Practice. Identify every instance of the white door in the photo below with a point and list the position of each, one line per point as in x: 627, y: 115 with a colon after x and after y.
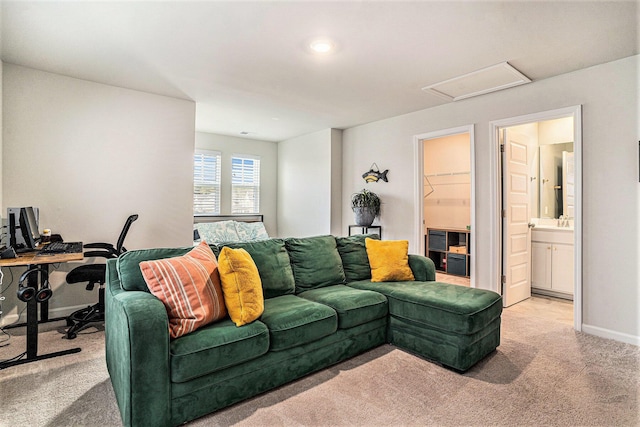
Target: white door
x: 516, y: 267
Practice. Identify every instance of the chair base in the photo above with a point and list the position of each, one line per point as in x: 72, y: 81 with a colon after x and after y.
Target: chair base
x: 85, y: 317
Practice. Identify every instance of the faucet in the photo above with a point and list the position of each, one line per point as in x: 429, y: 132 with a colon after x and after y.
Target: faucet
x: 563, y: 221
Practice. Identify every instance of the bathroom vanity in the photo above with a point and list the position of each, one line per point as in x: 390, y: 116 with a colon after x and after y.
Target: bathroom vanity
x: 552, y: 261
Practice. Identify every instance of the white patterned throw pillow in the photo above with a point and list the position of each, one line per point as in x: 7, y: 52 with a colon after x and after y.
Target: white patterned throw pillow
x: 218, y: 232
x: 251, y: 231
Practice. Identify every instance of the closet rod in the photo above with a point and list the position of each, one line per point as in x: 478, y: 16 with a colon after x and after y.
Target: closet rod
x: 450, y: 183
x: 448, y: 174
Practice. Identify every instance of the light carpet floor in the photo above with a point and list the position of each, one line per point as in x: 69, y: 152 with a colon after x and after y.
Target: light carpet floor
x: 543, y: 374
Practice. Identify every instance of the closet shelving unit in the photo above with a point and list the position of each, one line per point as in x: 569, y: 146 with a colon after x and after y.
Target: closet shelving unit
x: 450, y: 250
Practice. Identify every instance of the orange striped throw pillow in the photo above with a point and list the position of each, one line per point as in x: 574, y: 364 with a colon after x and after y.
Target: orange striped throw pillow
x: 189, y: 287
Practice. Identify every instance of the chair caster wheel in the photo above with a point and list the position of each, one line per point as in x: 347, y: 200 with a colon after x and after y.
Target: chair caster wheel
x: 71, y: 335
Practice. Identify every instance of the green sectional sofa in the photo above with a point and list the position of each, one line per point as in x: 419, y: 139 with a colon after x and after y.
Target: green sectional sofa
x: 320, y: 308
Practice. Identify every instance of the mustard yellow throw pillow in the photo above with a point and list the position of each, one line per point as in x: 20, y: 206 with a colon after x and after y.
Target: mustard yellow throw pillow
x: 389, y: 260
x: 241, y: 285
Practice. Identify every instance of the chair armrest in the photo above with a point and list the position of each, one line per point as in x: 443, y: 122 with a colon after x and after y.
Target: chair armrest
x: 137, y: 353
x: 101, y: 254
x: 107, y: 246
x: 422, y: 267
x: 108, y: 251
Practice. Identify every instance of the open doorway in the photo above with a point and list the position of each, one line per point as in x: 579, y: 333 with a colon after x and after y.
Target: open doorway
x: 446, y: 203
x: 538, y: 228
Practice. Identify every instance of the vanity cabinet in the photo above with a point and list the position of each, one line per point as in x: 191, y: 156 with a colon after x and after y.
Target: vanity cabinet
x: 552, y: 262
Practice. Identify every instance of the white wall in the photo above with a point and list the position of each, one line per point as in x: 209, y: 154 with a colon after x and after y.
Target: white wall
x: 556, y: 131
x: 305, y: 169
x: 88, y: 155
x: 268, y: 152
x: 611, y: 197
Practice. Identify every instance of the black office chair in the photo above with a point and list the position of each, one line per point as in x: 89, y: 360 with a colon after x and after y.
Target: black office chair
x: 94, y: 274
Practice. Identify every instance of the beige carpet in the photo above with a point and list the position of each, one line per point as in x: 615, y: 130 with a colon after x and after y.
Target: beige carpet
x: 543, y: 373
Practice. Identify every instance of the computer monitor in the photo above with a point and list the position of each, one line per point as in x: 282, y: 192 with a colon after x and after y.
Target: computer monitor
x: 26, y: 220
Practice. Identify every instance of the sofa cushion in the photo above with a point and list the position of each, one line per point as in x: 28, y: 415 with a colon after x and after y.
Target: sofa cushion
x: 241, y: 285
x: 128, y: 265
x: 189, y: 287
x: 458, y: 351
x: 389, y: 260
x: 294, y: 321
x: 354, y: 306
x: 272, y: 259
x: 215, y: 347
x: 439, y: 305
x: 354, y: 257
x: 315, y: 262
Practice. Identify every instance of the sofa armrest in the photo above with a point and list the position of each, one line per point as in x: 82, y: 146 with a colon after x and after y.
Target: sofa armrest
x: 422, y: 267
x: 137, y: 353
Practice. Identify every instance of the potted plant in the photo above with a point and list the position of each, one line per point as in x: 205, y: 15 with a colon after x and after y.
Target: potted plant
x: 366, y: 206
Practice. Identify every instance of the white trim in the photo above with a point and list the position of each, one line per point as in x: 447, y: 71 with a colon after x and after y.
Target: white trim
x: 245, y: 156
x: 418, y: 150
x: 418, y: 193
x: 609, y: 334
x: 207, y: 152
x: 496, y: 194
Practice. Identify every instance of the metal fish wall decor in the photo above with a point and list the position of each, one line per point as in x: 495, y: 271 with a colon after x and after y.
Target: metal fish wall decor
x: 374, y: 175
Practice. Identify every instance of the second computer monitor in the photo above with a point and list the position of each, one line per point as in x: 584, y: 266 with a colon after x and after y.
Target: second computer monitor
x: 26, y: 221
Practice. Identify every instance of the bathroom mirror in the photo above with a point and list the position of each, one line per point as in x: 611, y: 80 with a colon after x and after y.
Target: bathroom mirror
x: 556, y: 180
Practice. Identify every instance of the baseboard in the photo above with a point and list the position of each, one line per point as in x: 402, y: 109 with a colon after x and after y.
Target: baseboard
x: 607, y: 333
x: 548, y: 293
x: 53, y: 313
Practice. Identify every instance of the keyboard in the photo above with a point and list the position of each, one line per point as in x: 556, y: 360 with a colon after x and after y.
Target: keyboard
x: 54, y: 248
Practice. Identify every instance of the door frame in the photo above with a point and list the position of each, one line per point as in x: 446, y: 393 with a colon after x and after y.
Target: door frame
x: 419, y: 188
x: 496, y: 205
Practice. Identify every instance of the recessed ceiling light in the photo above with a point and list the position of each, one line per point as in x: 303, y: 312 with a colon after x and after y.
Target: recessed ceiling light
x: 321, y: 46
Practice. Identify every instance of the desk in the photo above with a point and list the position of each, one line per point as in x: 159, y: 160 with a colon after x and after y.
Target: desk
x: 30, y: 260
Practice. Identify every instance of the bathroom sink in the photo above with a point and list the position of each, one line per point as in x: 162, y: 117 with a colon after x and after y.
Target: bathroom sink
x: 552, y: 228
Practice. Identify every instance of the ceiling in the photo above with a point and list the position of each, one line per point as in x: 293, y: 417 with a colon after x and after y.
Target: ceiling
x: 248, y: 67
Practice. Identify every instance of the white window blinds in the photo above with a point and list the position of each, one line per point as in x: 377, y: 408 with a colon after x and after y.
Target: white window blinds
x: 206, y: 182
x: 245, y: 184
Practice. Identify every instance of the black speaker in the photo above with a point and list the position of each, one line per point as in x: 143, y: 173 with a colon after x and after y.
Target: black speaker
x: 27, y: 293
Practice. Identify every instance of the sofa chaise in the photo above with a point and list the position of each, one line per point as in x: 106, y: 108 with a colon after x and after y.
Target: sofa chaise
x: 320, y: 308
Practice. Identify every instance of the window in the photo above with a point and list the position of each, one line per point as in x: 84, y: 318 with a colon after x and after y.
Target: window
x: 206, y: 182
x: 245, y: 184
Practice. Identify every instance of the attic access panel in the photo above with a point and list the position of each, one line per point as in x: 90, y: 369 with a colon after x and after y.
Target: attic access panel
x: 490, y: 79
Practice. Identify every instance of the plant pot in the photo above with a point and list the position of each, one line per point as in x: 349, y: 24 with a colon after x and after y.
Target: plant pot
x: 363, y: 216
